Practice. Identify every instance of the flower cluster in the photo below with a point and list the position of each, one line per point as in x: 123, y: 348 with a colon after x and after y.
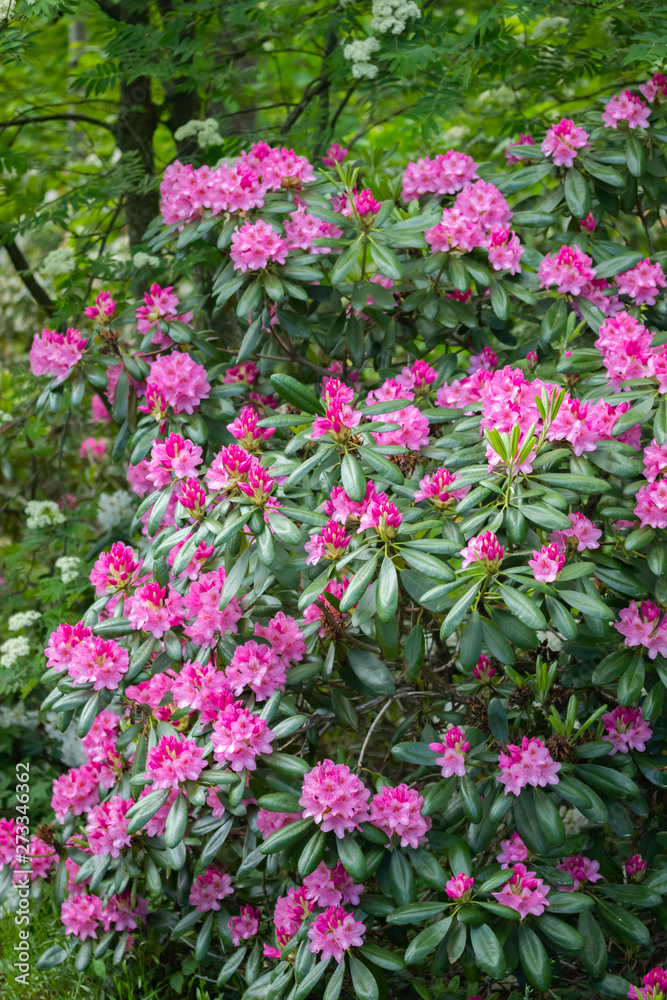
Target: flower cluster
x: 527, y: 764
x: 335, y: 798
x: 56, y: 354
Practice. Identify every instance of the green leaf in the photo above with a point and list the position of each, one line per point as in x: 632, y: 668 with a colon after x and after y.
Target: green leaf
x: 414, y: 753
x: 523, y: 607
x: 636, y: 156
x: 380, y: 463
x: 427, y: 941
x: 500, y: 300
x: 637, y: 414
x: 548, y: 816
x: 363, y: 980
x: 561, y: 934
x: 489, y: 955
x: 534, y: 959
x: 426, y: 563
x: 615, y: 265
x: 344, y: 264
x: 403, y: 887
x: 612, y: 986
x: 546, y: 517
x: 351, y: 857
x: 577, y: 195
x: 496, y: 643
x: 313, y: 590
x: 631, y: 681
x: 607, y: 780
x: 312, y: 854
x: 371, y: 671
x: 593, y: 606
x: 286, y: 836
x: 251, y: 298
x: 414, y: 913
x: 354, y: 481
x: 497, y: 718
x: 297, y: 394
x: 386, y: 261
x: 580, y: 484
x: 359, y: 583
x: 471, y: 641
x: 177, y: 821
x: 594, y: 952
x: 386, y: 594
x: 470, y: 799
x: 335, y: 984
x: 640, y: 896
x: 628, y: 927
x: 514, y: 629
x: 457, y: 613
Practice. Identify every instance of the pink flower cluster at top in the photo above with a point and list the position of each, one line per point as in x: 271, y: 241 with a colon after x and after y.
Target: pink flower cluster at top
x: 160, y: 305
x: 512, y: 850
x: 581, y: 869
x: 188, y: 193
x: 654, y: 985
x: 511, y: 152
x: 106, y: 828
x: 478, y: 218
x: 335, y: 798
x: 628, y: 108
x: 398, y: 811
x: 87, y: 658
x: 459, y: 886
x: 581, y: 536
x: 302, y: 229
x: 340, y: 417
x: 239, y: 737
x: 333, y: 932
x: 245, y: 926
x: 446, y: 173
x: 563, y: 140
x: 644, y: 624
x: 524, y: 892
x: 626, y: 729
x: 179, y: 380
x: 208, y: 889
x: 527, y: 764
x: 484, y: 549
x: 103, y: 309
x: 654, y: 88
x: 330, y: 543
x: 436, y: 489
x: 453, y: 750
x: 331, y: 887
x: 175, y: 759
x: 115, y: 570
x: 56, y: 354
x: 255, y: 245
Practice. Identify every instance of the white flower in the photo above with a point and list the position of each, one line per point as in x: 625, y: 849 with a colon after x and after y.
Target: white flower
x: 70, y: 747
x: 206, y: 132
x: 5, y: 417
x: 392, y: 15
x: 359, y: 54
x: 115, y: 509
x: 13, y: 650
x: 60, y: 261
x: 22, y: 619
x: 42, y: 514
x: 547, y: 25
x: 553, y: 640
x: 68, y: 567
x: 573, y: 821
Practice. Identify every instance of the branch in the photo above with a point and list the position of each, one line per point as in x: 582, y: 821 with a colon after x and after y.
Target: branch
x: 27, y: 277
x: 314, y: 88
x: 110, y: 9
x: 17, y: 122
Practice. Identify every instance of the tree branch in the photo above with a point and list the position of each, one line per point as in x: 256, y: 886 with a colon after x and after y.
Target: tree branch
x: 39, y: 295
x: 56, y: 118
x: 110, y: 8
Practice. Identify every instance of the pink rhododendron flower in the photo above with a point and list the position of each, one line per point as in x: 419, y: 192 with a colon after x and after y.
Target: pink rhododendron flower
x: 93, y: 448
x: 635, y: 868
x: 582, y: 535
x: 651, y: 508
x: 152, y: 692
x: 193, y: 498
x: 160, y: 305
x: 581, y: 869
x: 655, y: 460
x: 41, y: 858
x: 453, y: 750
x: 417, y: 377
x: 173, y: 760
x: 208, y: 889
x: 282, y: 168
x: 259, y: 487
x: 459, y: 886
x: 563, y: 140
x: 175, y: 456
x: 483, y: 203
x: 180, y: 380
x: 81, y: 915
x: 398, y: 811
x: 201, y: 687
x: 255, y: 245
x: 269, y: 822
x: 229, y: 467
x: 103, y: 309
x: 56, y: 354
x: 102, y: 732
x: 436, y: 489
x: 588, y: 222
x: 455, y: 232
x: 334, y: 154
x: 484, y: 549
x: 99, y: 660
x: 244, y: 428
x: 547, y: 563
x: 106, y: 828
x: 62, y: 643
x: 365, y: 205
x: 644, y: 625
x: 642, y: 283
x: 239, y: 737
x: 155, y: 609
x: 120, y: 913
x: 7, y: 841
x: 76, y: 791
x: 330, y: 543
x: 302, y: 228
x: 340, y: 508
x: 331, y: 886
x: 570, y: 269
x: 654, y: 88
x: 257, y: 667
x: 512, y: 850
x: 334, y: 931
x: 626, y: 107
x: 484, y: 671
x: 445, y: 174
x: 340, y: 417
x: 334, y: 797
x: 245, y: 926
x: 202, y: 603
x: 626, y: 730
x: 528, y: 764
x: 412, y: 431
x: 288, y: 915
x: 511, y: 152
x: 523, y: 892
x: 383, y: 516
x: 655, y: 981
x: 285, y: 637
x: 487, y: 358
x: 115, y: 570
x: 505, y: 250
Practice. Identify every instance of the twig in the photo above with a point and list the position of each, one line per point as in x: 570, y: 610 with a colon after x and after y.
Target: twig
x: 17, y: 122
x: 373, y: 726
x: 19, y: 261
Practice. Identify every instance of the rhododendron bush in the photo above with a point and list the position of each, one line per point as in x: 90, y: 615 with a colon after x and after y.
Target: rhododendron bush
x: 375, y: 696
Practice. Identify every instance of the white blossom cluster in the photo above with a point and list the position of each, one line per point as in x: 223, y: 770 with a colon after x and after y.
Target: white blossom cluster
x: 206, y: 132
x: 392, y: 15
x: 59, y: 261
x: 573, y: 821
x: 114, y: 509
x: 546, y: 26
x: 359, y: 54
x: 68, y: 567
x: 12, y: 650
x: 141, y: 259
x: 42, y: 514
x: 22, y: 619
x: 70, y: 747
